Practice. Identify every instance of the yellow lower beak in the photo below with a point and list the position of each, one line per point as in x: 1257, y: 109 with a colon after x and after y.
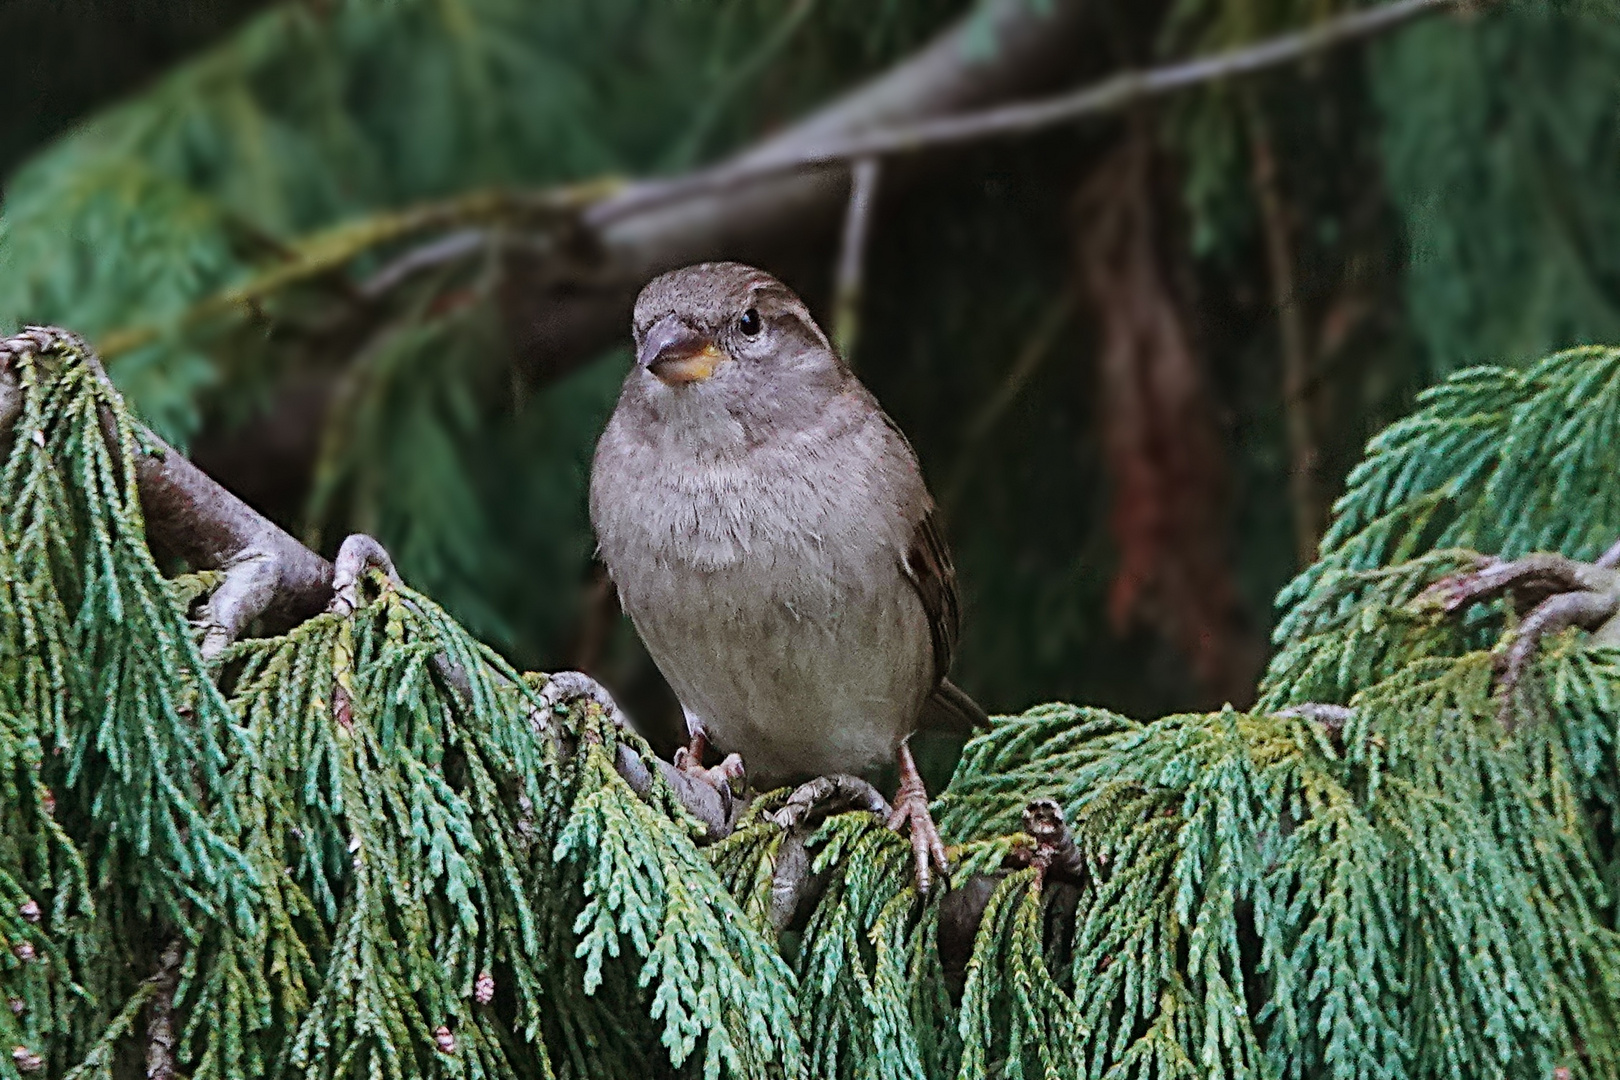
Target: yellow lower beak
x: 688, y: 368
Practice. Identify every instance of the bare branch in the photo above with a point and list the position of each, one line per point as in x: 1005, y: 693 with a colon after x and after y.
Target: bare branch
x: 1298, y: 399
x: 160, y: 1033
x: 791, y: 185
x: 777, y: 203
x: 1110, y: 95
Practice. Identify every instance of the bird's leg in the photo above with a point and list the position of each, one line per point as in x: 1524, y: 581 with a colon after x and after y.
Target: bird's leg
x: 710, y: 805
x: 689, y: 760
x: 1552, y: 592
x: 911, y: 805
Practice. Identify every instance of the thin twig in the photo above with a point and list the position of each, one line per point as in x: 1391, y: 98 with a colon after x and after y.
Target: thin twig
x: 1023, y: 369
x: 863, y: 183
x: 336, y: 247
x: 1304, y: 456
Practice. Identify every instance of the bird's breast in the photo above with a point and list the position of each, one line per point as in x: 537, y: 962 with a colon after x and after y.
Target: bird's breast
x: 798, y: 510
x: 769, y: 592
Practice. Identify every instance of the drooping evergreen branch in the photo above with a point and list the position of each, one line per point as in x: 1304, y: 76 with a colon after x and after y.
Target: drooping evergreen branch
x: 267, y: 573
x: 192, y: 517
x: 381, y: 870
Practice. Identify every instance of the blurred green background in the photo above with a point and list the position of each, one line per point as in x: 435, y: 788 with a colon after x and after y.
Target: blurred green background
x: 1136, y: 353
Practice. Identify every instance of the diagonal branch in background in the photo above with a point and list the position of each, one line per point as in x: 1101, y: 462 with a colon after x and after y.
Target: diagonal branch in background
x: 796, y: 181
x: 332, y: 251
x: 1110, y: 95
x: 564, y: 303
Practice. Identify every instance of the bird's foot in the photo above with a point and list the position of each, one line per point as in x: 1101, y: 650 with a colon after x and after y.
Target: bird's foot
x: 358, y: 554
x: 1551, y: 592
x: 911, y: 807
x: 726, y: 778
x: 837, y: 791
x: 565, y: 687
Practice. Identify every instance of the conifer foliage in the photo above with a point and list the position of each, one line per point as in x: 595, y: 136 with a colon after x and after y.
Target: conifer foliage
x: 312, y: 853
x: 319, y: 855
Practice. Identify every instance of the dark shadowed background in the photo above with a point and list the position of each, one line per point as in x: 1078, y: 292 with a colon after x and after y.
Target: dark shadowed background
x: 1136, y: 352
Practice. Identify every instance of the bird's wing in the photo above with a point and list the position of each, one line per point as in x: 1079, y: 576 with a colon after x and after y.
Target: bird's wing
x: 927, y: 563
x: 927, y: 566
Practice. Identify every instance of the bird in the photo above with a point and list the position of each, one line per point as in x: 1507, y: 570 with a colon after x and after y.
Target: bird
x: 771, y: 538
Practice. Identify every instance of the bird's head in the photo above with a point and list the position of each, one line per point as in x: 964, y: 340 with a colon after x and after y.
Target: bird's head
x: 727, y: 339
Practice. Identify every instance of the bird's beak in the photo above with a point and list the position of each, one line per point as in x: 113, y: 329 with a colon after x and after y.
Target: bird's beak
x: 676, y: 353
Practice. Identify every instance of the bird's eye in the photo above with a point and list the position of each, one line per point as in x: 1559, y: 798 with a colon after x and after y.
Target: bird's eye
x: 749, y: 322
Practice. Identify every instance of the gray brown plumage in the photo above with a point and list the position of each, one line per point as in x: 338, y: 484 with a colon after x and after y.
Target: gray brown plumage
x: 772, y: 539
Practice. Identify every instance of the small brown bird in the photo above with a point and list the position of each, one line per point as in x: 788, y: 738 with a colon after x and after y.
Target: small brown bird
x: 771, y: 538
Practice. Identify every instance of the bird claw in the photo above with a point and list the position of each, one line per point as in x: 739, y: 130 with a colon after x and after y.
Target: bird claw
x: 727, y: 777
x: 927, y: 848
x: 1553, y: 593
x: 837, y: 789
x: 851, y: 792
x: 357, y: 554
x: 254, y: 575
x: 565, y: 687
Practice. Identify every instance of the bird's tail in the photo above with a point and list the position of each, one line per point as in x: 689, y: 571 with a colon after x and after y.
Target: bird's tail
x: 951, y: 711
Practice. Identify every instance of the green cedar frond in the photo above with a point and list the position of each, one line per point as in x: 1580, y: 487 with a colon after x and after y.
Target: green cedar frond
x: 347, y: 846
x: 369, y: 868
